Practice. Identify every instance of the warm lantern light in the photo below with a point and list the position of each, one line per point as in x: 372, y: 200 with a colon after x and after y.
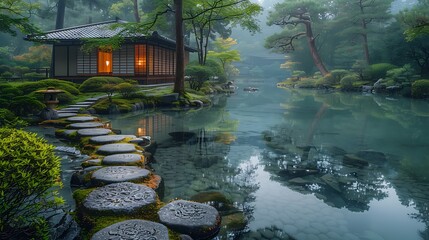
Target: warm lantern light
x: 107, y: 63
x: 108, y: 125
x: 104, y: 62
x: 141, y: 132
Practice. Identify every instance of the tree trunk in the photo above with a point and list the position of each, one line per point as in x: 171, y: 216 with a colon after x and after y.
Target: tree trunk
x: 61, y: 9
x: 136, y: 10
x: 313, y: 50
x: 365, y: 42
x: 179, y: 83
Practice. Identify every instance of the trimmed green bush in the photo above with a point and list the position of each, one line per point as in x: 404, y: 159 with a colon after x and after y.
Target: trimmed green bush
x: 8, y: 91
x: 346, y: 82
x: 379, y: 70
x: 8, y: 119
x: 337, y: 74
x: 25, y: 105
x: 63, y: 98
x: 197, y: 75
x: 94, y: 84
x: 32, y: 76
x: 126, y: 89
x: 28, y: 171
x: 70, y: 87
x: 306, y: 83
x: 420, y: 88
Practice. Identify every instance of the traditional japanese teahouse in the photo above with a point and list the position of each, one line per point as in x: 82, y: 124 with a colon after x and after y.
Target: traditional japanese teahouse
x: 150, y: 59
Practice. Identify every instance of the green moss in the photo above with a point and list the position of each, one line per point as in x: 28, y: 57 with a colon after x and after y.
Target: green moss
x: 94, y: 84
x: 420, y: 88
x: 29, y: 87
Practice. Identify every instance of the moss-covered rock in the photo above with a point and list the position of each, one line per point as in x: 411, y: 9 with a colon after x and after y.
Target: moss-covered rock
x: 420, y: 88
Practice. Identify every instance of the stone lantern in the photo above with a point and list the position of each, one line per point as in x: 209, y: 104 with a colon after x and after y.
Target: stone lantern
x: 50, y: 98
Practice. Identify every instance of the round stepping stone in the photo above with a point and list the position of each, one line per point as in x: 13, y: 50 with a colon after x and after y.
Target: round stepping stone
x: 84, y: 103
x: 79, y: 106
x: 117, y: 174
x: 110, y: 138
x: 123, y: 159
x: 116, y: 148
x: 86, y: 125
x: 133, y: 229
x: 88, y: 132
x: 200, y: 221
x: 119, y: 198
x: 66, y: 114
x: 81, y: 119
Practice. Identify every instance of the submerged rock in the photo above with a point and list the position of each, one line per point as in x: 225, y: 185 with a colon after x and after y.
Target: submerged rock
x: 353, y: 160
x: 372, y: 156
x: 215, y: 199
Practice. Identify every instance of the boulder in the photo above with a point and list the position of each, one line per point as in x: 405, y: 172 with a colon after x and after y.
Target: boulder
x: 123, y: 159
x: 353, y: 160
x: 117, y: 174
x: 119, y: 198
x: 200, y: 221
x: 132, y: 229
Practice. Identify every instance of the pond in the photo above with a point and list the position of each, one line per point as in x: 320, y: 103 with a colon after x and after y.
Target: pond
x: 297, y: 164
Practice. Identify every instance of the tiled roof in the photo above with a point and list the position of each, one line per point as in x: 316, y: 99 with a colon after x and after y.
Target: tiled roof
x: 95, y: 30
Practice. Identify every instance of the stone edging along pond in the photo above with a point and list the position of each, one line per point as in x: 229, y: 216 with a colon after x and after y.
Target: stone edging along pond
x: 117, y: 195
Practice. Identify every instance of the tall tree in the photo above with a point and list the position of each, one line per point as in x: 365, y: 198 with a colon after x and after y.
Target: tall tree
x: 15, y: 15
x: 224, y: 53
x: 356, y: 17
x: 210, y: 17
x: 61, y: 9
x: 179, y: 83
x: 292, y: 15
x: 416, y: 20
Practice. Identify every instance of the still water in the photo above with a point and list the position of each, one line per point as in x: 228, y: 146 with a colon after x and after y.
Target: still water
x: 298, y: 164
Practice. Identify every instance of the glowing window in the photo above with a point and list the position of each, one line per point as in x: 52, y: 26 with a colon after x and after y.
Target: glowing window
x: 140, y: 59
x: 104, y: 62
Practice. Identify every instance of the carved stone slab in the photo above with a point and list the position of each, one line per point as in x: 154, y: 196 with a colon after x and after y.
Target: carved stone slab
x: 120, y: 198
x: 200, y: 221
x: 133, y: 229
x: 110, y: 138
x: 117, y: 174
x: 66, y: 114
x: 123, y: 159
x: 86, y: 125
x: 116, y: 148
x: 87, y: 132
x: 81, y: 119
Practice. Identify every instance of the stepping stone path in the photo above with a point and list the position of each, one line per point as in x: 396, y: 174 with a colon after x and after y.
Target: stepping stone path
x: 117, y: 174
x: 119, y: 198
x: 114, y: 148
x: 86, y: 125
x: 110, y: 138
x: 81, y: 119
x: 133, y: 229
x: 89, y: 132
x: 120, y: 195
x: 200, y: 221
x: 123, y: 159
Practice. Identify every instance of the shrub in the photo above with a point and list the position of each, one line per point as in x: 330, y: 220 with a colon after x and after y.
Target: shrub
x: 420, y: 88
x: 25, y: 105
x: 337, y: 75
x: 8, y: 91
x: 379, y: 70
x: 346, y: 82
x: 306, y: 83
x: 70, y: 87
x: 32, y: 76
x: 6, y: 75
x: 126, y: 89
x: 8, y: 119
x: 28, y: 169
x: 94, y: 84
x: 198, y: 75
x: 216, y: 69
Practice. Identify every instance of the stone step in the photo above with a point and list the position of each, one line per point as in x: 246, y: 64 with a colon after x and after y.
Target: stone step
x: 81, y: 119
x: 79, y: 105
x: 132, y: 229
x: 123, y: 159
x: 86, y: 125
x: 119, y: 198
x: 200, y: 221
x: 116, y: 148
x: 85, y: 103
x: 110, y: 138
x: 116, y: 174
x: 90, y: 132
x: 66, y: 114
